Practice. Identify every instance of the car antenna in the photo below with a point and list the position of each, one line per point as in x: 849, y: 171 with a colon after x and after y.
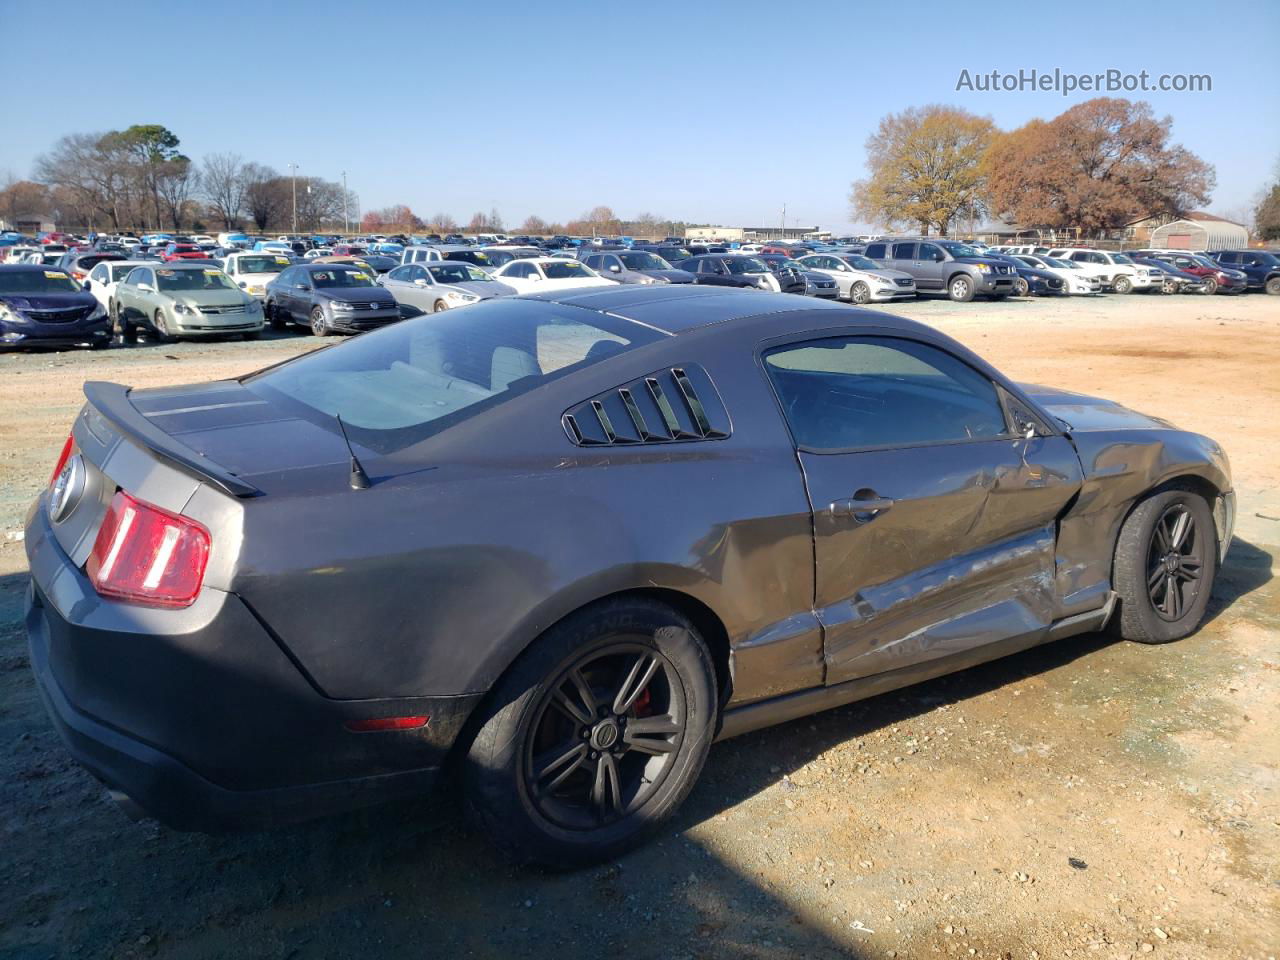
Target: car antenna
x: 359, y: 479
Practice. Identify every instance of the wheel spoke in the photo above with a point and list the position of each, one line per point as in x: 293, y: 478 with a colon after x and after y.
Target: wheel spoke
x: 638, y: 678
x: 1174, y: 597
x: 638, y: 733
x: 1181, y: 527
x: 1157, y: 575
x: 606, y: 792
x: 1162, y: 535
x: 566, y: 761
x: 581, y: 707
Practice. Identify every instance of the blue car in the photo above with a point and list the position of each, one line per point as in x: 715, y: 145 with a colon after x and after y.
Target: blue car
x: 44, y: 307
x: 1031, y: 281
x: 1172, y: 280
x: 1260, y: 266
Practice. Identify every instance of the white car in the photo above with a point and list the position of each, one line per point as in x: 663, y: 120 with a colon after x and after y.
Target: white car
x: 750, y: 248
x: 1116, y: 271
x: 537, y: 274
x: 860, y: 280
x: 252, y: 271
x: 103, y: 278
x: 1078, y: 281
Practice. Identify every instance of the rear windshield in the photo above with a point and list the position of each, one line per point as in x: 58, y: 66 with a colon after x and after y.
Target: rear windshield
x: 403, y: 383
x: 567, y: 270
x: 37, y: 281
x: 265, y: 263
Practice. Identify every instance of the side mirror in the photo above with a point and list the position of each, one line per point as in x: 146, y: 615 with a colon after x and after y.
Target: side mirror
x: 146, y: 288
x: 614, y: 268
x: 419, y: 282
x: 300, y: 286
x: 535, y: 276
x: 87, y: 286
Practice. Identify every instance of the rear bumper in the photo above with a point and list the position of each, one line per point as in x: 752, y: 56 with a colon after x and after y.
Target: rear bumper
x: 202, y: 720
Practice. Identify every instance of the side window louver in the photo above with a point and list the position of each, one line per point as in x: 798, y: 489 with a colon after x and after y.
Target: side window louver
x: 668, y: 406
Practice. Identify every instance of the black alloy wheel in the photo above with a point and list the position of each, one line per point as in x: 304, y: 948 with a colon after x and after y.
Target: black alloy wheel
x: 604, y: 736
x: 1175, y: 561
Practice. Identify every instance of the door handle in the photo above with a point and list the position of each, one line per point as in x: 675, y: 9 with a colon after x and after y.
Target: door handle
x: 861, y: 509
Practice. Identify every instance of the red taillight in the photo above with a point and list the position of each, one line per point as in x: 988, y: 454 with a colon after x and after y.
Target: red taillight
x: 147, y: 555
x: 380, y: 724
x: 63, y: 457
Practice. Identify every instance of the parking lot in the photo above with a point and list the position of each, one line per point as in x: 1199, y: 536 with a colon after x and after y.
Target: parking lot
x: 1089, y: 798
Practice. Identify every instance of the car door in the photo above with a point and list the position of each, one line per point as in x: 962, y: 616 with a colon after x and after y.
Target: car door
x: 902, y: 256
x: 930, y: 267
x: 935, y: 496
x: 100, y: 282
x: 398, y: 281
x: 712, y: 271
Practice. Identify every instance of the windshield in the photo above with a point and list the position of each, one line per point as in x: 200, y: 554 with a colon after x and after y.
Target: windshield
x: 567, y: 270
x: 341, y: 277
x: 176, y: 281
x: 403, y: 383
x: 960, y: 249
x: 456, y: 273
x: 1120, y: 258
x: 36, y: 281
x: 643, y: 261
x: 268, y: 263
x: 499, y: 257
x: 672, y: 254
x: 860, y: 263
x: 745, y: 265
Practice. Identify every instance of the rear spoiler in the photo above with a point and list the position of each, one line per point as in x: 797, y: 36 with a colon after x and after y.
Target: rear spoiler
x: 111, y: 400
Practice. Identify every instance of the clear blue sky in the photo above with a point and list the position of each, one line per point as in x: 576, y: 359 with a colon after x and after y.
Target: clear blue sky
x: 711, y: 111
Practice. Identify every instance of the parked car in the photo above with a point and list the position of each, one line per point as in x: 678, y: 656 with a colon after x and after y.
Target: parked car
x: 1076, y: 280
x: 329, y: 298
x: 945, y: 266
x: 106, y: 276
x: 635, y: 266
x: 1172, y: 280
x: 45, y: 307
x: 792, y: 250
x: 1117, y: 271
x: 547, y: 274
x: 790, y: 274
x: 177, y: 299
x: 1261, y: 269
x: 860, y: 280
x: 78, y: 264
x: 442, y: 284
x: 299, y: 552
x: 1032, y: 281
x: 251, y: 271
x: 730, y: 270
x: 1216, y: 278
x: 183, y: 251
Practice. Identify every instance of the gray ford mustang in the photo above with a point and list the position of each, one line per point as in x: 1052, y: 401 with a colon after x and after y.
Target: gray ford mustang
x: 561, y: 543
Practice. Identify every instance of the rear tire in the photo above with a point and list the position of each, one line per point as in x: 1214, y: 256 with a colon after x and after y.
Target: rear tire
x: 273, y: 316
x: 566, y: 778
x: 127, y: 332
x: 1165, y: 564
x: 1273, y: 286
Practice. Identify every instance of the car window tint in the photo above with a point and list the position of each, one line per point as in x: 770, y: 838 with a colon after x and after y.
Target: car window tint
x: 856, y: 392
x: 904, y: 251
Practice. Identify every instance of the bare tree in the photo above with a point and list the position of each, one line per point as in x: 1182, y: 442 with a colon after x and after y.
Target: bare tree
x: 224, y: 185
x: 176, y: 180
x: 262, y: 197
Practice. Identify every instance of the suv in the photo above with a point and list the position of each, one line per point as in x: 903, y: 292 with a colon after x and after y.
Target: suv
x: 945, y: 266
x: 1118, y: 272
x: 1262, y: 268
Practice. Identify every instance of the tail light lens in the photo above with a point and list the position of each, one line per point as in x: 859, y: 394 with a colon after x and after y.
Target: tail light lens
x: 63, y: 457
x: 147, y: 555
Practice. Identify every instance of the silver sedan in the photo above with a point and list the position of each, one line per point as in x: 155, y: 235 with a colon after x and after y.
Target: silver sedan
x: 438, y: 285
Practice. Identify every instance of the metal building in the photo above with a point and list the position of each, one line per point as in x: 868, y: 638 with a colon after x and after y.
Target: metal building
x: 1200, y: 231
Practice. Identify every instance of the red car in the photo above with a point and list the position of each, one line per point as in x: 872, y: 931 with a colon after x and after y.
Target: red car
x: 183, y: 251
x: 348, y: 250
x: 56, y: 237
x: 786, y: 249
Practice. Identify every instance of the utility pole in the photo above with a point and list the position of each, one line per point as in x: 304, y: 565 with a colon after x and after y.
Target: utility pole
x: 784, y: 221
x: 346, y: 221
x: 293, y: 167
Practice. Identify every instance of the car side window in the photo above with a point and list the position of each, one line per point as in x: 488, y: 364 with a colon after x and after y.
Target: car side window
x: 930, y: 252
x: 99, y: 273
x: 402, y: 274
x: 875, y: 251
x: 142, y: 275
x: 852, y: 393
x: 1228, y: 258
x: 904, y: 251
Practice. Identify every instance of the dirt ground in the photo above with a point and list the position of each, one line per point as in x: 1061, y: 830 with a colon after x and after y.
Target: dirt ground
x: 1090, y: 798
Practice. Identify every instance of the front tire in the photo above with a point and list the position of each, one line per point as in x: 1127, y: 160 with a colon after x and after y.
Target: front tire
x: 960, y: 289
x: 319, y: 327
x: 1210, y: 286
x: 859, y: 293
x: 162, y: 328
x: 1165, y: 564
x: 1122, y: 284
x: 439, y: 307
x: 594, y: 736
x: 1273, y: 286
x: 1021, y: 287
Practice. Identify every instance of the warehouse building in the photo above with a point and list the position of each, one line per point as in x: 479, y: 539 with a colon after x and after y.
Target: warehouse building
x: 1200, y: 231
x: 749, y: 234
